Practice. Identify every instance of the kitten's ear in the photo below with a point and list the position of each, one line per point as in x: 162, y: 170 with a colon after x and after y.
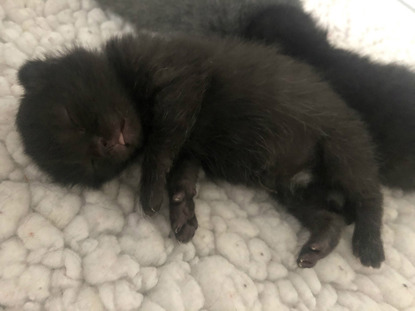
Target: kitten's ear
x: 30, y: 75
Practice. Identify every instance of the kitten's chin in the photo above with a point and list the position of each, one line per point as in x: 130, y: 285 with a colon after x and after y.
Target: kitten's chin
x: 102, y: 175
x: 122, y: 153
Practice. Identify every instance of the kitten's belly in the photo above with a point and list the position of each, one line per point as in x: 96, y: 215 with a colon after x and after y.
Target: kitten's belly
x: 271, y: 162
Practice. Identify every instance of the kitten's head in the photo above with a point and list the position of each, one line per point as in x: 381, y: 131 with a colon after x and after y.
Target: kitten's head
x: 77, y: 121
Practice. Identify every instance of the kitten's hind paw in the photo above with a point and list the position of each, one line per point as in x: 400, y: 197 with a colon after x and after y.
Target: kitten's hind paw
x: 314, y: 250
x: 369, y: 249
x: 185, y: 232
x: 182, y: 217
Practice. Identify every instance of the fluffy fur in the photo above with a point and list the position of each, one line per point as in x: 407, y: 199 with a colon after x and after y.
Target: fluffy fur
x: 384, y: 95
x: 241, y: 111
x: 69, y: 123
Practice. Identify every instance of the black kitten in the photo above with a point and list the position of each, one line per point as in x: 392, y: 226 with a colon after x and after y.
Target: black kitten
x: 244, y: 113
x: 202, y: 17
x: 384, y: 95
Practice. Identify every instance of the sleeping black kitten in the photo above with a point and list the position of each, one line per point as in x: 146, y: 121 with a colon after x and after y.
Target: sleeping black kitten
x: 244, y: 113
x: 384, y: 95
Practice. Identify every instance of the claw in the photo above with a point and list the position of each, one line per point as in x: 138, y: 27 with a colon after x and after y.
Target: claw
x: 177, y: 230
x: 178, y: 197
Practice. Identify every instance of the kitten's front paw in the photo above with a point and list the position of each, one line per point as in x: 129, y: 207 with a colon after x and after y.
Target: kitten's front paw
x: 182, y: 217
x: 153, y: 198
x: 368, y: 247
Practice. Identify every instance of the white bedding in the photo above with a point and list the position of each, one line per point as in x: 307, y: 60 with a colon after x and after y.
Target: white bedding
x: 74, y: 250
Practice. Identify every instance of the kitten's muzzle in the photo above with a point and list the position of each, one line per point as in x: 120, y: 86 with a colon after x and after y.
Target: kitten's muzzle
x: 115, y: 146
x: 124, y: 139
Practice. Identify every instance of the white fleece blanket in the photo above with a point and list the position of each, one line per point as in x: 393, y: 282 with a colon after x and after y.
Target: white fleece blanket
x: 74, y: 250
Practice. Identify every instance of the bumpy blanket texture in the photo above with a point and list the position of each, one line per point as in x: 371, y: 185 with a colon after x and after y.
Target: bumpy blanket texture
x: 68, y: 249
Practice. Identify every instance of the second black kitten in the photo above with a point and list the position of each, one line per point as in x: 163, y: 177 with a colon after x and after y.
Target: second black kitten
x: 243, y: 112
x: 384, y: 95
x: 201, y: 17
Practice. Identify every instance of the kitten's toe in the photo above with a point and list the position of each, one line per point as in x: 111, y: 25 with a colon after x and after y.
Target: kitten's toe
x: 312, y: 252
x: 178, y: 197
x: 369, y: 249
x: 315, y: 249
x: 185, y: 232
x: 182, y: 217
x: 308, y: 259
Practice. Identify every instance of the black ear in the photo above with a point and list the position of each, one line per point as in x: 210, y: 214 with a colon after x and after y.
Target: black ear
x: 31, y: 74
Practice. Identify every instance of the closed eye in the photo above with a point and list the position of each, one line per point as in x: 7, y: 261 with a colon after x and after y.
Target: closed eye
x: 93, y: 164
x: 75, y: 123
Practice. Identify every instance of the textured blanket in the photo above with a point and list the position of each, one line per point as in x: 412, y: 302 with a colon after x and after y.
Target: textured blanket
x: 68, y: 249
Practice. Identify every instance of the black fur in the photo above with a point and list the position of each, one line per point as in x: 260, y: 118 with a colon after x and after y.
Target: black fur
x: 68, y: 120
x: 243, y: 112
x: 384, y: 95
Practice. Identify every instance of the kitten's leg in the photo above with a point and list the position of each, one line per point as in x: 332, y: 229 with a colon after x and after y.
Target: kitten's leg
x: 325, y: 229
x: 311, y: 207
x: 171, y: 126
x: 153, y: 191
x: 182, y: 188
x: 350, y: 166
x: 176, y: 88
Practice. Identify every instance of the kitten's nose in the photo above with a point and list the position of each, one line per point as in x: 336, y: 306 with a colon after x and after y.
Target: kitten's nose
x: 103, y: 145
x: 116, y: 139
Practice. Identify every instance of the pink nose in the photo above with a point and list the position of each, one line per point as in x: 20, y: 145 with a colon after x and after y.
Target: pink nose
x: 102, y: 146
x: 121, y: 140
x: 117, y: 139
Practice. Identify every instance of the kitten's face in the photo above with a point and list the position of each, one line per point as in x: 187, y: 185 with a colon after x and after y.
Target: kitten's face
x: 76, y: 121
